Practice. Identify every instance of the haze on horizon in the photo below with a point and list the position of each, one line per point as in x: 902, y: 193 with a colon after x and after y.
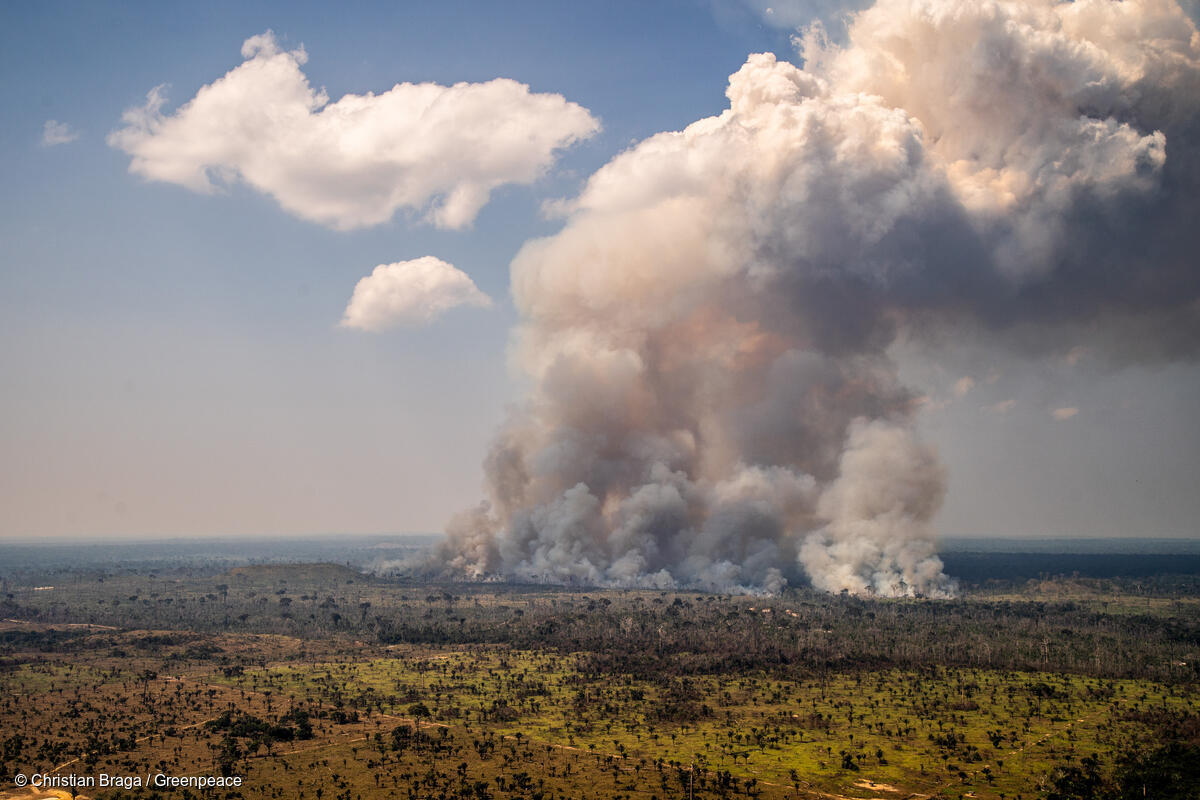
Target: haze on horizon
x: 215, y: 329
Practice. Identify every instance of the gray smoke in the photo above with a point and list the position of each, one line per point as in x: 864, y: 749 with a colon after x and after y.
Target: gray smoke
x: 714, y: 403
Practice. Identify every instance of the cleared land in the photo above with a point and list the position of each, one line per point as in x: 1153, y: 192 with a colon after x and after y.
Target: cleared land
x: 315, y: 682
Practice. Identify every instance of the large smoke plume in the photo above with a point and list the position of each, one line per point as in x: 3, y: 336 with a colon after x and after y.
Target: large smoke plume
x: 708, y: 336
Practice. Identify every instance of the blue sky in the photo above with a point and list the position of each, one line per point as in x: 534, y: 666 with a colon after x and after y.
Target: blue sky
x: 172, y: 361
x: 167, y: 353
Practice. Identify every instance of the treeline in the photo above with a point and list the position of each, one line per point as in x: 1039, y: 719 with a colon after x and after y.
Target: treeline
x: 979, y: 568
x: 641, y: 633
x: 1166, y: 766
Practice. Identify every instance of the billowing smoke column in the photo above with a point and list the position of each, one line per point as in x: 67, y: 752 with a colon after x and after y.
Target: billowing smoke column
x: 708, y: 336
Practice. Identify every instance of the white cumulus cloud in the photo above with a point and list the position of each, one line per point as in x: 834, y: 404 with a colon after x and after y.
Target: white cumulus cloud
x: 55, y: 132
x: 410, y: 293
x: 437, y: 150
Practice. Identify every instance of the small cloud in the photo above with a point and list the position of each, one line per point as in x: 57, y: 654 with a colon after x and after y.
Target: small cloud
x: 993, y: 376
x: 410, y: 293
x: 558, y: 208
x: 928, y: 403
x: 1074, y: 355
x: 1064, y: 413
x: 1003, y: 407
x: 55, y: 132
x: 963, y: 385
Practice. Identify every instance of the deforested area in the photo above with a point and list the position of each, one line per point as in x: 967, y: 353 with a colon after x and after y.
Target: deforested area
x: 704, y: 399
x: 324, y: 680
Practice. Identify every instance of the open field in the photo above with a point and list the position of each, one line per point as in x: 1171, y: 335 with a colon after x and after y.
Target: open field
x: 316, y: 681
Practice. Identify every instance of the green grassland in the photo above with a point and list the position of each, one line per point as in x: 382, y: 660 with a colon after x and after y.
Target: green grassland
x: 314, y: 681
x: 941, y: 731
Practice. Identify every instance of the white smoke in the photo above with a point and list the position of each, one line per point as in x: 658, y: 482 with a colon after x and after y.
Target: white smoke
x: 708, y: 336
